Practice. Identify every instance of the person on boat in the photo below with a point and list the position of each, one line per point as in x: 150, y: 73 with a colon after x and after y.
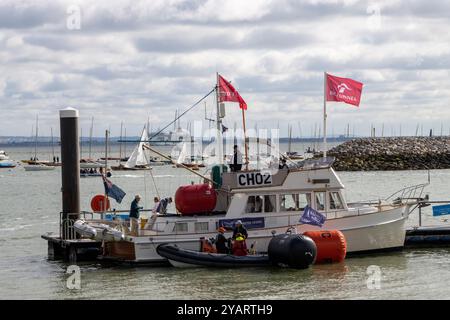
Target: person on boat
x: 163, y: 203
x: 236, y: 160
x: 239, y: 230
x: 258, y: 204
x: 156, y: 205
x: 134, y: 215
x: 239, y: 247
x: 283, y: 164
x: 221, y: 241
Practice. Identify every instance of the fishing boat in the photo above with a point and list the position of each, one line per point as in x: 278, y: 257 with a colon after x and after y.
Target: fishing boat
x: 5, y: 162
x: 268, y: 202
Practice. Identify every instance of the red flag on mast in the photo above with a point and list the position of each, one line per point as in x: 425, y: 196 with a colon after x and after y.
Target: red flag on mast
x: 343, y: 90
x: 228, y: 93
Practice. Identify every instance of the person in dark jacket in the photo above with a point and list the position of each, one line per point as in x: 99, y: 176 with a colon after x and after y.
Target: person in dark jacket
x: 134, y: 215
x: 239, y: 229
x: 221, y: 242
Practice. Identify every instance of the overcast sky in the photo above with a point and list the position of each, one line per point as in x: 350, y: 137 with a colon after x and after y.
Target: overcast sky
x: 130, y: 60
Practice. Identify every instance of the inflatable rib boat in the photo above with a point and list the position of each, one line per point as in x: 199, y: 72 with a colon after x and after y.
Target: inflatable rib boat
x: 179, y: 257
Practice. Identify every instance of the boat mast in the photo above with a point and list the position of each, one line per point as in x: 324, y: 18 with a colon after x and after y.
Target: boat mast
x: 218, y: 123
x: 324, y: 115
x: 90, y: 137
x: 245, y: 139
x: 81, y: 143
x: 290, y: 137
x: 105, y: 207
x: 120, y: 145
x: 125, y: 143
x: 53, y: 147
x: 35, y: 140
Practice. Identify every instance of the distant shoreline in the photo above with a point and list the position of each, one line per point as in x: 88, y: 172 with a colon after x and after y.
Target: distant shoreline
x: 46, y: 141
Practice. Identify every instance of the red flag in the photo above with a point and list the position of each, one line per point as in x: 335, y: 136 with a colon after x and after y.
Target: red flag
x: 343, y: 89
x: 228, y: 93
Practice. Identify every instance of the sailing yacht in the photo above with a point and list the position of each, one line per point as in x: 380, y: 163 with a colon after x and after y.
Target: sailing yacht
x: 293, y: 155
x: 137, y: 159
x: 35, y: 164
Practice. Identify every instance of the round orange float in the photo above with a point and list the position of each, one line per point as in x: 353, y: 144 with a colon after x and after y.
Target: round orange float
x: 98, y: 203
x: 331, y: 245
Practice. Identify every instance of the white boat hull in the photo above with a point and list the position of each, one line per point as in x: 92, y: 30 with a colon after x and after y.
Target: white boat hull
x: 371, y: 232
x: 38, y: 168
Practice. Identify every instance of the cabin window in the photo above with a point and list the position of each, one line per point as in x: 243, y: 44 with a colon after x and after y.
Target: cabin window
x: 181, y: 227
x: 289, y: 202
x: 269, y: 203
x: 304, y: 199
x: 335, y: 201
x: 254, y: 204
x: 201, y: 226
x: 320, y: 200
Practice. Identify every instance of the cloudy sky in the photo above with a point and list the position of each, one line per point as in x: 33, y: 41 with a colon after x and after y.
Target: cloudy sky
x: 132, y: 60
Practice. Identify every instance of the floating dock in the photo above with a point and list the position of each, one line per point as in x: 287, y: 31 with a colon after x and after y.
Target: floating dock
x: 72, y: 250
x: 428, y: 236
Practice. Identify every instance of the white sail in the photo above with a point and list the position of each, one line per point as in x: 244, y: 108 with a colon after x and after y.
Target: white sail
x: 137, y: 157
x: 183, y: 153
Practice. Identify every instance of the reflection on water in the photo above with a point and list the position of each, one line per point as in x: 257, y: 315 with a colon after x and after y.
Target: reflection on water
x: 30, y: 207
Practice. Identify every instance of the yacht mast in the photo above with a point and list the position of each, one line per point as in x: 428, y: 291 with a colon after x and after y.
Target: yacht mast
x: 90, y: 136
x: 53, y: 147
x: 120, y: 145
x: 36, y: 140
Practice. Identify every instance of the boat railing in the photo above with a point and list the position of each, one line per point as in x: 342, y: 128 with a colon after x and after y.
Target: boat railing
x: 408, y: 193
x: 66, y: 221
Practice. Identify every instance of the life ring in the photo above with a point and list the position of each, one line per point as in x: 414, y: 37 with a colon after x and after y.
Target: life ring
x: 97, y: 203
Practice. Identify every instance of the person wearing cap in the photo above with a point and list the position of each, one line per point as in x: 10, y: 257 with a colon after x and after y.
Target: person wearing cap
x: 239, y: 230
x: 134, y: 215
x: 221, y: 241
x: 239, y: 247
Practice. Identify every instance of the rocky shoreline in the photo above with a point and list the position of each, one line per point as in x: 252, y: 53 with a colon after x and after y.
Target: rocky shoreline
x: 396, y: 153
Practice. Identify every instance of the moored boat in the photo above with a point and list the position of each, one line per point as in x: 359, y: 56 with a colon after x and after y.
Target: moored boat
x: 5, y: 162
x: 184, y: 258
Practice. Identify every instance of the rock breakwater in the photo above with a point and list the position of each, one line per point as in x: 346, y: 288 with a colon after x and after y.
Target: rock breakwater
x: 396, y: 153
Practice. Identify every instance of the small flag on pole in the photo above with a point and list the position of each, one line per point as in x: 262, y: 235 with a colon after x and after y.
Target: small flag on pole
x: 312, y: 217
x: 112, y: 190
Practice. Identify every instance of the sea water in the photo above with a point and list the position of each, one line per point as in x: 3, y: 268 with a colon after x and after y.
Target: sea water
x: 31, y: 202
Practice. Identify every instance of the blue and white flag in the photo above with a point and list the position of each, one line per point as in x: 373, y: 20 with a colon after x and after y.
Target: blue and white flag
x: 112, y: 190
x: 312, y: 217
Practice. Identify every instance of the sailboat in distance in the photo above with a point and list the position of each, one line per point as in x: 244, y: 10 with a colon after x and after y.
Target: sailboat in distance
x: 137, y: 160
x: 34, y: 164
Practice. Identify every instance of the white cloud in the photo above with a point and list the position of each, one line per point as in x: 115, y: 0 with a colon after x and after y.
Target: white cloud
x: 132, y: 59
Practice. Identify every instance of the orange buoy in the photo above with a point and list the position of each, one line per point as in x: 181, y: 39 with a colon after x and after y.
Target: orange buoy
x: 98, y: 203
x: 331, y: 245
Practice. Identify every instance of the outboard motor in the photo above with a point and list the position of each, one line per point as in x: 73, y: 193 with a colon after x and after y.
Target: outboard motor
x: 295, y: 251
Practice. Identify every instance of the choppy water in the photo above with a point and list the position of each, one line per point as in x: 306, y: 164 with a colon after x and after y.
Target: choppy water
x: 30, y: 205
